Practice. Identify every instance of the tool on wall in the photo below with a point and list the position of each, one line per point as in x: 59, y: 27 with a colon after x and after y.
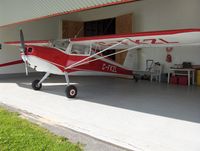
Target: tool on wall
x: 169, y: 56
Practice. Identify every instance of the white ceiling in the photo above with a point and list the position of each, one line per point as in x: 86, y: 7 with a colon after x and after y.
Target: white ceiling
x: 15, y: 11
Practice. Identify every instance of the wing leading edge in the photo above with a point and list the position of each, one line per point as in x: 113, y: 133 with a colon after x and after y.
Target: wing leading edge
x: 167, y: 38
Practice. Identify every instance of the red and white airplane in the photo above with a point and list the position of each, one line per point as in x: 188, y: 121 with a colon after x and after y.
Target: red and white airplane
x: 85, y: 54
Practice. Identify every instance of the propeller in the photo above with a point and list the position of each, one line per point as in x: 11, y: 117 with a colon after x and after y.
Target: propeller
x: 23, y: 50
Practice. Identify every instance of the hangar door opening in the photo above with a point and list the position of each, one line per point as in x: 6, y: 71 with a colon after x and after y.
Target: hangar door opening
x: 116, y: 25
x: 101, y: 27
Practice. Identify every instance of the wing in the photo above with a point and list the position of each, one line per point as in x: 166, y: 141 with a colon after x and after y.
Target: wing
x: 167, y: 38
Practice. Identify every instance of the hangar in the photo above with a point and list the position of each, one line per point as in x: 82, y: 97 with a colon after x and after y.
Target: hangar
x: 159, y: 103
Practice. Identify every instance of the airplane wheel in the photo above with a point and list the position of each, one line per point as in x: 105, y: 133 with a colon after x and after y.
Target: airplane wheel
x: 135, y: 78
x: 71, y: 91
x: 35, y: 85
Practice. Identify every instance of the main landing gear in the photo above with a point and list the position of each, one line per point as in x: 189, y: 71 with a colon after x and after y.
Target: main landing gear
x: 70, y: 91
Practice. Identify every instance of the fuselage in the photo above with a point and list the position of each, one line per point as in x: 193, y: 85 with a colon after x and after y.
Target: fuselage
x: 57, y: 61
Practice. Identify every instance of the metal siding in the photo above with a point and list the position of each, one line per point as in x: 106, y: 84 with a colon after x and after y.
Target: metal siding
x: 22, y: 10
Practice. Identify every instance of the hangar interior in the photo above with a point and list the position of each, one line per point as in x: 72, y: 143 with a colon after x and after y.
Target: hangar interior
x: 143, y: 104
x: 125, y: 18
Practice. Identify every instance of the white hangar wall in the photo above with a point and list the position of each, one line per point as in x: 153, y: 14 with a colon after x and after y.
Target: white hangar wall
x: 38, y: 30
x: 148, y: 15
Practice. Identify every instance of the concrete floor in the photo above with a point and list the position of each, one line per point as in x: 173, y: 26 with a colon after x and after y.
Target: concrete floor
x: 140, y: 116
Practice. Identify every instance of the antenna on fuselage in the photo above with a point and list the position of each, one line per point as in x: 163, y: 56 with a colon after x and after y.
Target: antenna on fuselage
x: 78, y: 33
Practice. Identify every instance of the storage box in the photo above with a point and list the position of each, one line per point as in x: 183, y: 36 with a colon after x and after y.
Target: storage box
x: 198, y: 72
x: 183, y: 80
x: 173, y: 80
x: 198, y: 80
x: 198, y: 77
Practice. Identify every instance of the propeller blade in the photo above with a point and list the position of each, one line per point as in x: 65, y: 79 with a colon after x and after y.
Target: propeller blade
x: 22, y: 41
x: 23, y: 50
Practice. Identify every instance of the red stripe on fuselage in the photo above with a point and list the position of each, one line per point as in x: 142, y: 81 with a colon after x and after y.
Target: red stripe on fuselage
x: 102, y: 66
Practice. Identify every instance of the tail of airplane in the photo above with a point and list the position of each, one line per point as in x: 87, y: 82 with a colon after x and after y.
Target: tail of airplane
x: 131, y: 60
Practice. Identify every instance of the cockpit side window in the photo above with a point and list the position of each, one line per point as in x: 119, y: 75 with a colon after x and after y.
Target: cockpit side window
x: 80, y: 49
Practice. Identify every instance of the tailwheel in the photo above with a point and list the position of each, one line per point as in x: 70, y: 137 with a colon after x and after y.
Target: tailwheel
x: 35, y: 85
x: 135, y: 78
x: 71, y: 91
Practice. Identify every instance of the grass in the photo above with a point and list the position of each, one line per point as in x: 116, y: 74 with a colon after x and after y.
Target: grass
x: 18, y: 134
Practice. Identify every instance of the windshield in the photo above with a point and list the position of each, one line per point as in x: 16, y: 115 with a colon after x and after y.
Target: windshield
x: 61, y: 44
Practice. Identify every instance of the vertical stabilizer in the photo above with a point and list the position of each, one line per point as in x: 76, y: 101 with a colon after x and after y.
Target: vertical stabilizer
x: 131, y: 60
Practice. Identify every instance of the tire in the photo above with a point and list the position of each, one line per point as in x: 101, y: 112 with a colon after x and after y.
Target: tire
x: 35, y: 85
x: 71, y: 91
x: 135, y: 78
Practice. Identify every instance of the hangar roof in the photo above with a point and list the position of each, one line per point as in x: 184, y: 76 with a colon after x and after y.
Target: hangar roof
x: 18, y: 11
